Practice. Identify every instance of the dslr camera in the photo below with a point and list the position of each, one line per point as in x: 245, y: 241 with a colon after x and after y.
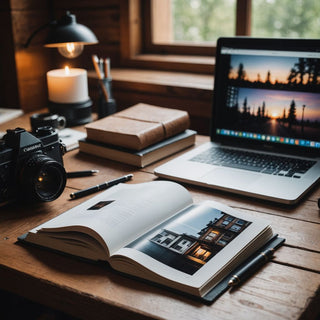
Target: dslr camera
x: 31, y: 165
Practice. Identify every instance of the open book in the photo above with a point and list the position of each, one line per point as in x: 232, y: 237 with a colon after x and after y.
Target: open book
x: 154, y: 231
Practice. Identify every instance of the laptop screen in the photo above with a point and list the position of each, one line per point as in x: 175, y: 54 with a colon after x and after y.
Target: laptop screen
x: 267, y: 91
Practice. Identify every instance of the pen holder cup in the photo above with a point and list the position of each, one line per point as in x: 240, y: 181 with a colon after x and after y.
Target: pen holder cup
x: 106, y: 103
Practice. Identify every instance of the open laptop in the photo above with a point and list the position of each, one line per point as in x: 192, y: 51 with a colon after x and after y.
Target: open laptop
x: 265, y: 131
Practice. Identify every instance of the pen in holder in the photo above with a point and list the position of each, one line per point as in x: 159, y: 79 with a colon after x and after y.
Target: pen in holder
x: 106, y: 103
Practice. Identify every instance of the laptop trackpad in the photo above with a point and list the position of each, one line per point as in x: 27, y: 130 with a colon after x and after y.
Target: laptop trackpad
x: 231, y: 178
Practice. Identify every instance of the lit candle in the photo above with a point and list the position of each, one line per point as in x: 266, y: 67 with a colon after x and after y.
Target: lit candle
x: 68, y: 85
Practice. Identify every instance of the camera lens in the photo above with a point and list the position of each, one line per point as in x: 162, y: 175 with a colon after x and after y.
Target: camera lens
x: 42, y: 179
x: 48, y: 182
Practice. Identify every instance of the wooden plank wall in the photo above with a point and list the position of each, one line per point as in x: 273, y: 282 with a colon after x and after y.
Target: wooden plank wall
x: 33, y: 62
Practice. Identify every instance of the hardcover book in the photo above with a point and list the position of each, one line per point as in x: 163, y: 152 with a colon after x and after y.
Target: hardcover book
x: 155, y: 232
x: 142, y: 157
x: 139, y: 126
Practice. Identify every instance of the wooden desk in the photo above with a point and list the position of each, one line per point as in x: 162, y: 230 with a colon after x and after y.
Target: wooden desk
x: 286, y: 288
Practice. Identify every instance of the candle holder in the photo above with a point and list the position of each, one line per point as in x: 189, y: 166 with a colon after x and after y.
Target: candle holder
x: 106, y: 103
x: 75, y: 113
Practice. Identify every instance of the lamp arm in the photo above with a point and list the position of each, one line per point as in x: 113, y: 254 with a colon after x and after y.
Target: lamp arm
x: 51, y: 23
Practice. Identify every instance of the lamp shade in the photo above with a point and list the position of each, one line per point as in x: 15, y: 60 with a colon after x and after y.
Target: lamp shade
x: 67, y: 30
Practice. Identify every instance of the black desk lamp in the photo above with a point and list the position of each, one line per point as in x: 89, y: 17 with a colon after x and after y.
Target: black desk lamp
x: 67, y: 35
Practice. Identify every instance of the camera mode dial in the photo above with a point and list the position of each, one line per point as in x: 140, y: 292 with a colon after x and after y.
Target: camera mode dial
x: 44, y: 131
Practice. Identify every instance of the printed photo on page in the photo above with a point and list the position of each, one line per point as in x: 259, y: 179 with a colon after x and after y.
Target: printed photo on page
x: 191, y: 239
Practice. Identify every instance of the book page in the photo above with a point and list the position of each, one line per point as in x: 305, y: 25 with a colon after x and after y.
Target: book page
x: 195, y: 247
x: 122, y: 213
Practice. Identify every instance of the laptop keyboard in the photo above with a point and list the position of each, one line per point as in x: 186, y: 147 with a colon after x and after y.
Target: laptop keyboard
x: 268, y: 164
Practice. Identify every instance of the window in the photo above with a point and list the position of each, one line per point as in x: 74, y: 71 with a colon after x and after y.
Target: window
x: 213, y: 235
x: 182, y: 21
x: 286, y: 18
x: 182, y: 246
x: 201, y: 253
x: 192, y: 26
x: 164, y: 238
x: 195, y: 20
x: 181, y: 34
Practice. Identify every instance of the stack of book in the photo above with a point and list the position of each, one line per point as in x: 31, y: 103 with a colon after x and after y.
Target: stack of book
x: 139, y: 135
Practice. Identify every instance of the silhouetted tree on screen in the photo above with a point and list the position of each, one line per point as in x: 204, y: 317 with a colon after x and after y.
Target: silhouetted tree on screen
x: 292, y: 114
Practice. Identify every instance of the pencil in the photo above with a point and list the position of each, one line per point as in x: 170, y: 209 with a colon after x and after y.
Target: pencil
x: 96, y: 61
x: 106, y: 66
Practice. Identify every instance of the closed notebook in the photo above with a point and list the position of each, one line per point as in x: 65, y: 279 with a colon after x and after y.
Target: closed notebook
x: 139, y: 126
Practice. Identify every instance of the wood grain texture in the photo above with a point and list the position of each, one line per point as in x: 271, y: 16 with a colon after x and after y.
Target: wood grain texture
x: 243, y: 17
x: 75, y: 287
x: 286, y: 288
x: 185, y: 80
x: 31, y: 63
x: 28, y: 4
x: 84, y: 4
x: 192, y: 63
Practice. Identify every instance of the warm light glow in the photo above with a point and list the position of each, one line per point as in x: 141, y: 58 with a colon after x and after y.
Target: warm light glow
x: 40, y: 179
x: 67, y: 70
x: 201, y: 253
x: 71, y: 49
x: 275, y: 115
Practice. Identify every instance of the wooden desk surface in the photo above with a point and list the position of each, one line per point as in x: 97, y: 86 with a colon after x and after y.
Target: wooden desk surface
x: 286, y: 288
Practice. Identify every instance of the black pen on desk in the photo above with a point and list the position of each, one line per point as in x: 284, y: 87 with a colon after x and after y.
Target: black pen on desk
x: 245, y: 272
x: 102, y: 186
x: 84, y: 173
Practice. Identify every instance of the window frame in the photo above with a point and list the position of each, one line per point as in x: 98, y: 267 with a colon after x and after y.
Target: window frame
x: 138, y: 50
x: 243, y: 28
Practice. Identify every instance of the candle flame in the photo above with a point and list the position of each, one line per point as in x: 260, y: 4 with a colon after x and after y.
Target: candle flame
x: 67, y: 70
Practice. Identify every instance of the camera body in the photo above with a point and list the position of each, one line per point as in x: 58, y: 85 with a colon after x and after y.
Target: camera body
x: 31, y: 165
